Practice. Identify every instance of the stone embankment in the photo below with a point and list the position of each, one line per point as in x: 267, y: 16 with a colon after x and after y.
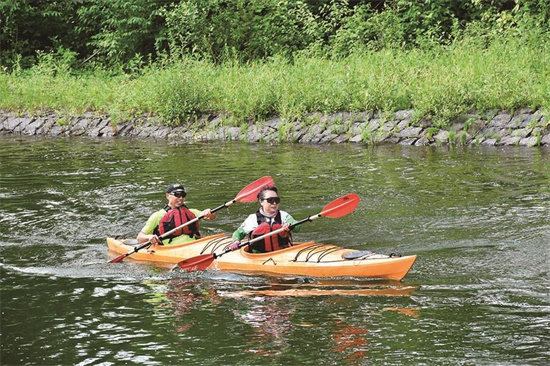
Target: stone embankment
x: 524, y: 127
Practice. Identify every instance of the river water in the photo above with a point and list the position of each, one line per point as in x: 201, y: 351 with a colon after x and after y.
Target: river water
x: 478, y: 218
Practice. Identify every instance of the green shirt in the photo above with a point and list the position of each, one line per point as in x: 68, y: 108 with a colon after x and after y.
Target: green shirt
x: 154, y: 220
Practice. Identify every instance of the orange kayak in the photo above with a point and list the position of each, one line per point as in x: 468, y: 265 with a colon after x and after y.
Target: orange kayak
x: 302, y: 259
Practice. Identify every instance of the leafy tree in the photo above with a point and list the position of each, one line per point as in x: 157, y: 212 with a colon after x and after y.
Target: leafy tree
x: 131, y: 33
x: 240, y: 29
x: 424, y: 23
x: 121, y: 31
x: 29, y: 26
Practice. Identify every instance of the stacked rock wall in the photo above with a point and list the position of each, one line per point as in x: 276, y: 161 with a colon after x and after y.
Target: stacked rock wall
x: 523, y: 128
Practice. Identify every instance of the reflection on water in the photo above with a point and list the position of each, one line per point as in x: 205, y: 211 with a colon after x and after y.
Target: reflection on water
x: 350, y: 341
x: 271, y: 321
x: 478, y: 218
x: 318, y: 290
x: 409, y: 312
x: 271, y: 316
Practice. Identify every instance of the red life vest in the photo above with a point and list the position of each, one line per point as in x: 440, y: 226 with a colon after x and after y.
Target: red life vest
x: 175, y: 217
x: 270, y: 243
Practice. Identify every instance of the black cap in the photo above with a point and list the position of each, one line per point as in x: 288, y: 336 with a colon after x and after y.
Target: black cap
x: 175, y: 187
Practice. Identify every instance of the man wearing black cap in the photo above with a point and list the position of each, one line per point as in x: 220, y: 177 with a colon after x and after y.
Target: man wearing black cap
x: 175, y: 194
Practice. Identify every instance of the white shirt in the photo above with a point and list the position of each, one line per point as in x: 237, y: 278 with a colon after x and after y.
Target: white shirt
x: 251, y: 221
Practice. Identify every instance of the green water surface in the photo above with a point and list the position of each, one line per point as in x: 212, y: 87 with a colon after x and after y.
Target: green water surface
x: 478, y: 219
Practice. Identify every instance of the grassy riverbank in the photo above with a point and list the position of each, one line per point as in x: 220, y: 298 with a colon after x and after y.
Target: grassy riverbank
x: 439, y: 82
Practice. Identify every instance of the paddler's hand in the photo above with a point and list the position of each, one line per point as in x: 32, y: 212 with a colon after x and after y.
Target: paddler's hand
x: 235, y: 245
x: 286, y: 230
x: 208, y: 215
x: 144, y: 238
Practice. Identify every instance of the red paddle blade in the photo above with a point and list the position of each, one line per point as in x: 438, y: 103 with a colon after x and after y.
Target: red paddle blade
x: 118, y: 259
x: 250, y: 192
x: 341, y: 206
x: 198, y: 263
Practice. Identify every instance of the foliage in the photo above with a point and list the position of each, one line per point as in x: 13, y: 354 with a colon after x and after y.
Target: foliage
x: 130, y: 34
x: 440, y: 83
x: 32, y: 26
x: 241, y: 30
x: 251, y: 59
x: 122, y: 31
x: 423, y: 24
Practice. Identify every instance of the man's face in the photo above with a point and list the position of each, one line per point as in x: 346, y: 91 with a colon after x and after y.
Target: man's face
x: 176, y: 199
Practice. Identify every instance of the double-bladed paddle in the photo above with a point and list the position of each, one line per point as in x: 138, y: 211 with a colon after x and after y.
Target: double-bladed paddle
x: 247, y: 194
x: 337, y: 208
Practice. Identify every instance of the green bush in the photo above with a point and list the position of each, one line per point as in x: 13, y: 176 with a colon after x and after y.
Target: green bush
x: 240, y: 30
x: 250, y: 60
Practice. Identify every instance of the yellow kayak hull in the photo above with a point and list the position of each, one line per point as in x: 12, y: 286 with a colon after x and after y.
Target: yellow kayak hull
x: 302, y: 259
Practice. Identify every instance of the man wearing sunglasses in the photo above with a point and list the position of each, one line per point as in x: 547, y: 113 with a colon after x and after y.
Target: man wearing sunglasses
x: 173, y: 215
x: 268, y: 218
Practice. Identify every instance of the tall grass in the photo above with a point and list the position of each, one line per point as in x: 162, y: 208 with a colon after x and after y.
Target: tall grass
x: 438, y: 82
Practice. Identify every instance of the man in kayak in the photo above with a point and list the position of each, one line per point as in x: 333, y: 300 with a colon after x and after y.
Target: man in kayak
x: 173, y: 215
x: 268, y: 218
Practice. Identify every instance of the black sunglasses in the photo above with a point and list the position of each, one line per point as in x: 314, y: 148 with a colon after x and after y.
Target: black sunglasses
x: 179, y: 194
x: 273, y: 200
